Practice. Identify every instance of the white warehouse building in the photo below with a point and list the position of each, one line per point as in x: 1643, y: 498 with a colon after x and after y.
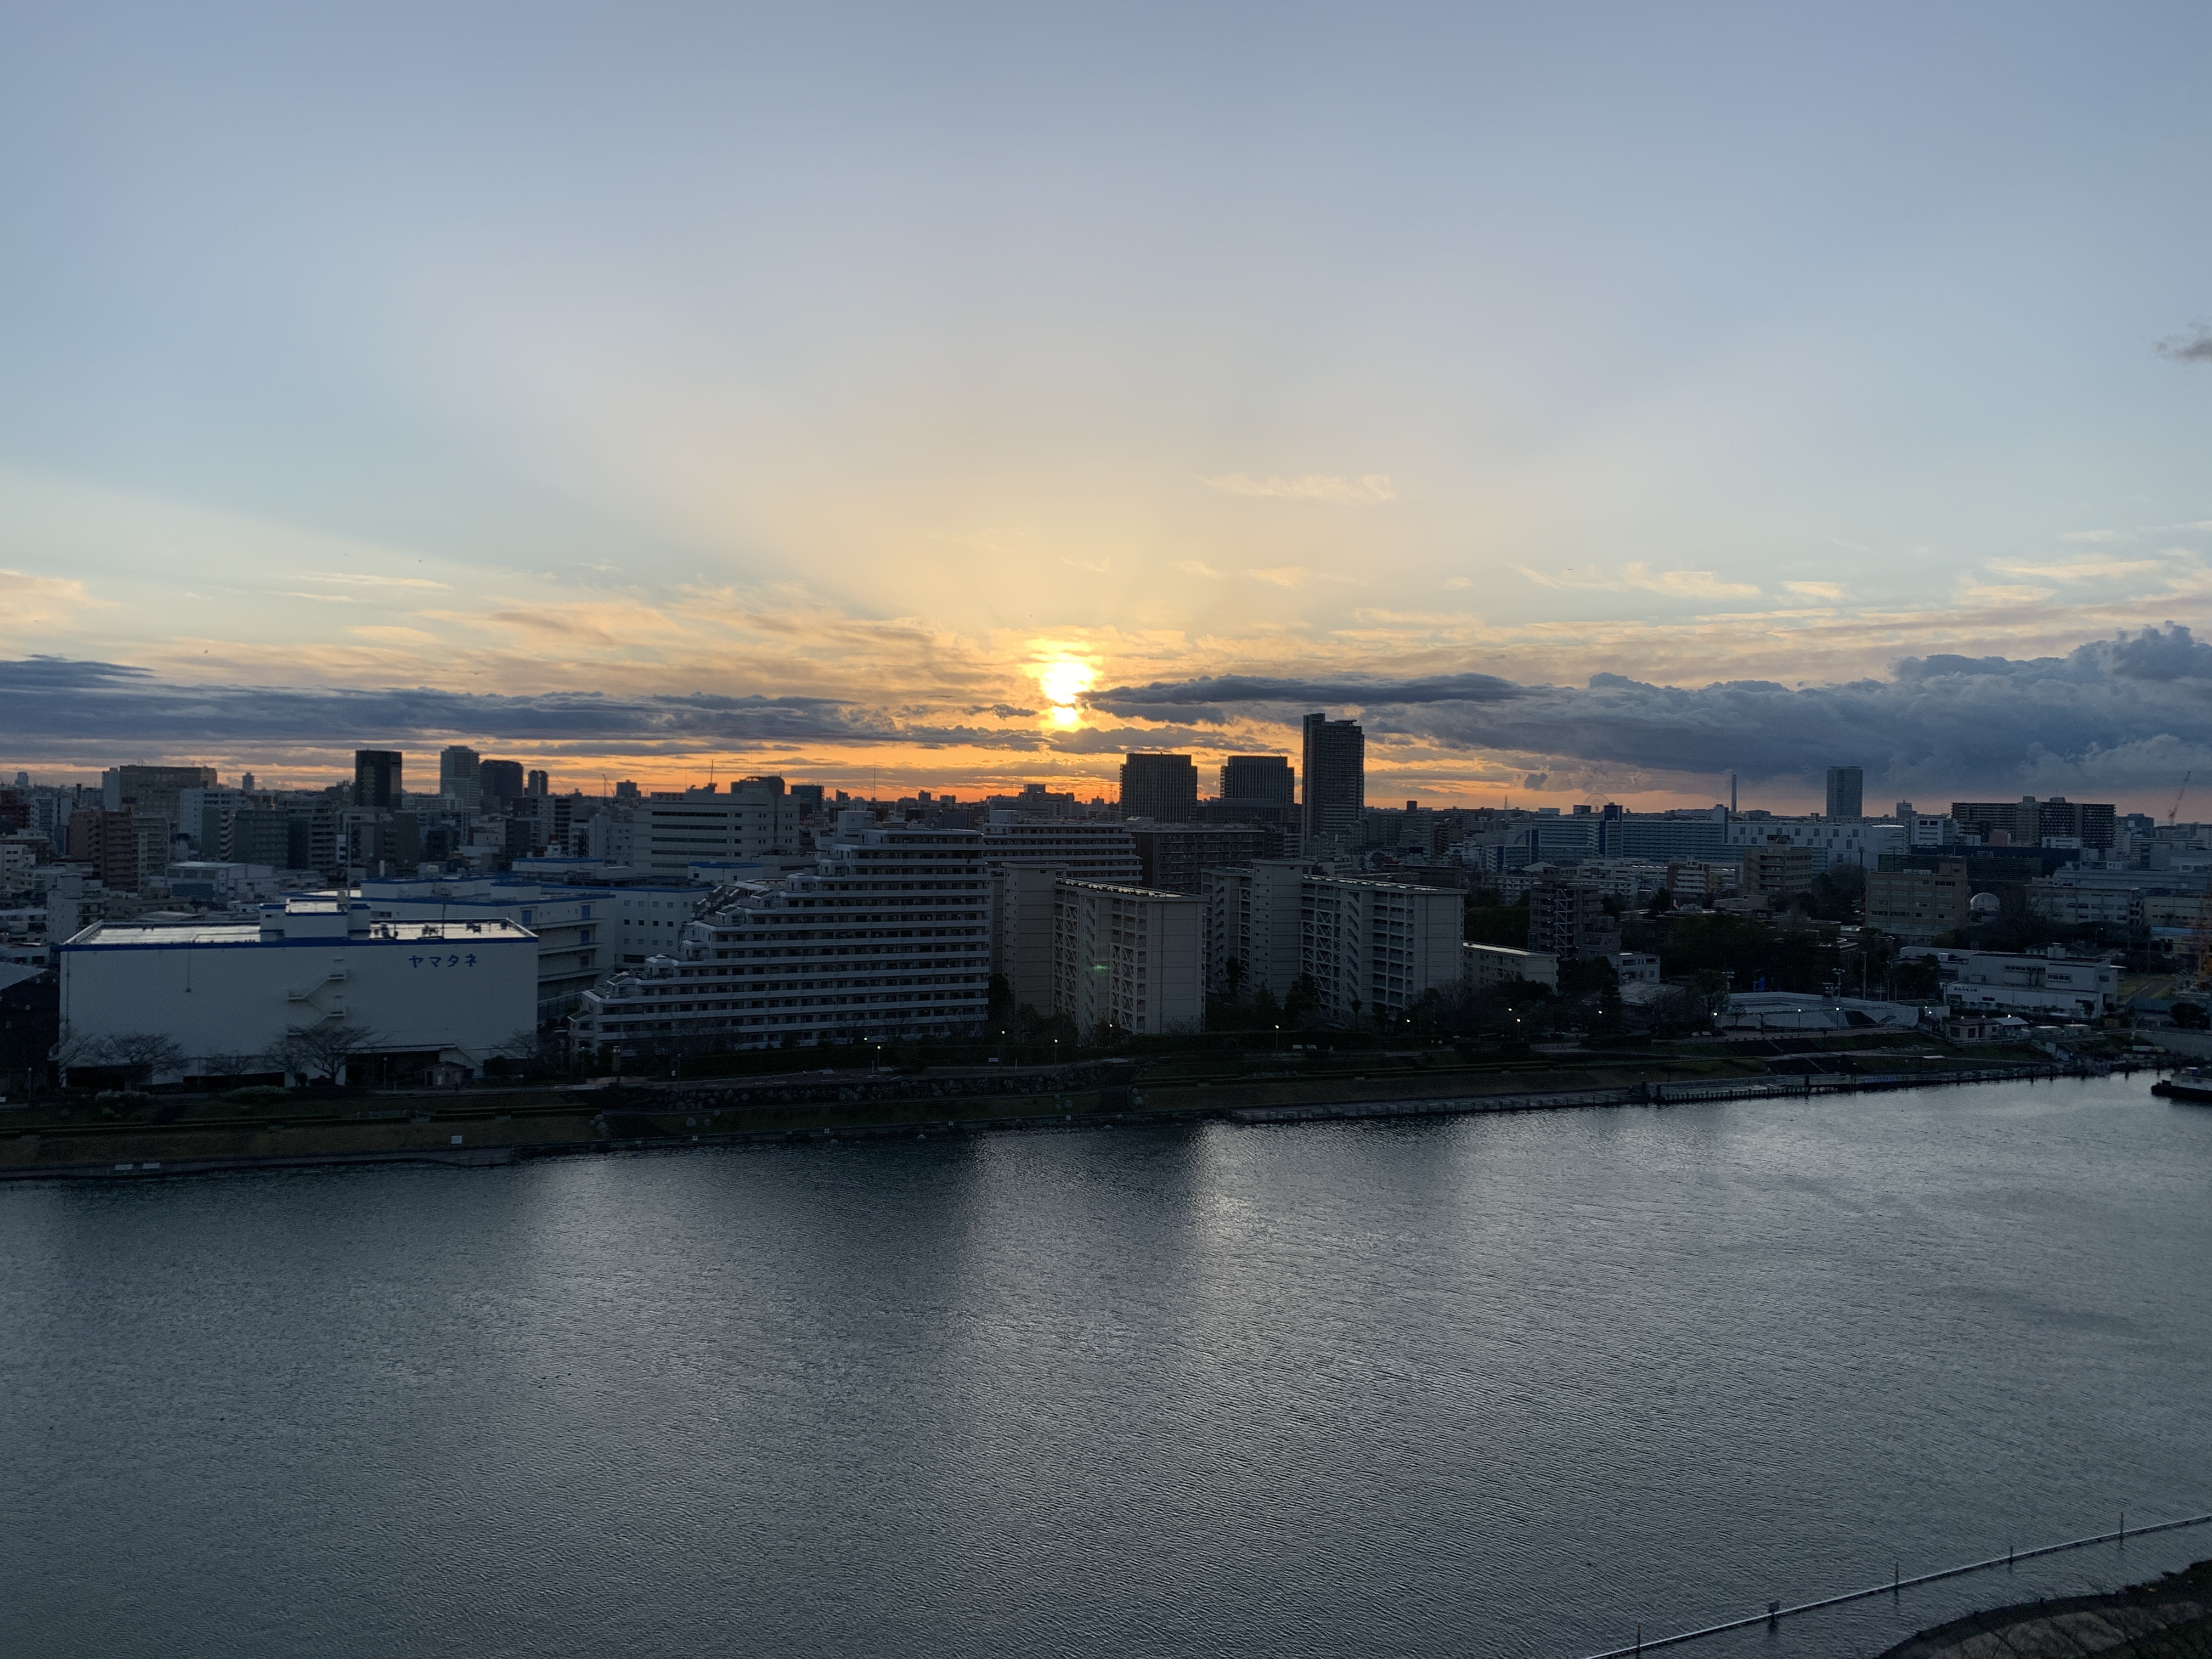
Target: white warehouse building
x: 427, y: 992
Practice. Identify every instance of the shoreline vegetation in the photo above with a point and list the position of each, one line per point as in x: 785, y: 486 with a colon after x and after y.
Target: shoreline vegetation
x: 146, y: 1135
x: 2167, y: 1618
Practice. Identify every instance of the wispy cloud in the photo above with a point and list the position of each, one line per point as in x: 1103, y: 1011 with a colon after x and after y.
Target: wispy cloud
x: 1460, y: 581
x: 1297, y: 575
x: 1197, y: 568
x: 1816, y: 590
x: 363, y: 580
x: 1684, y: 584
x: 1368, y: 490
x: 2193, y: 347
x: 2094, y: 567
x: 2090, y: 536
x: 28, y: 601
x: 1096, y: 566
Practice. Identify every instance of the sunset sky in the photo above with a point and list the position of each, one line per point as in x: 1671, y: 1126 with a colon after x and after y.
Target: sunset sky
x: 1593, y: 400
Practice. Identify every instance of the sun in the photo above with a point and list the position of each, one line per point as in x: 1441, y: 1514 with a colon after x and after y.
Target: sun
x: 1063, y: 680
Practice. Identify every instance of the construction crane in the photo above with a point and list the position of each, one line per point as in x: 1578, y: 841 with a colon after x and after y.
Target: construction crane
x: 2174, y: 811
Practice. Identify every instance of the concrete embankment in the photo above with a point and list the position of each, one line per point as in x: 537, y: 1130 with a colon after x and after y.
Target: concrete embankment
x: 478, y: 1130
x: 2169, y: 1617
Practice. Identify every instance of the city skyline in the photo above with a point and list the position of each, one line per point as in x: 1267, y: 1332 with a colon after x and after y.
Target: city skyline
x: 1590, y: 412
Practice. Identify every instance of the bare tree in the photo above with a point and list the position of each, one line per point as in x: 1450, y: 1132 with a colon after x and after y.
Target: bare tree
x: 234, y: 1065
x: 140, y: 1055
x: 321, y: 1051
x: 75, y: 1049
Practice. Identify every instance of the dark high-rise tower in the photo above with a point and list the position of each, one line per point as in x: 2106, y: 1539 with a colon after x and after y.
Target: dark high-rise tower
x: 376, y: 777
x: 1162, y: 787
x: 1260, y: 786
x: 1846, y: 791
x: 498, y: 783
x: 1336, y: 778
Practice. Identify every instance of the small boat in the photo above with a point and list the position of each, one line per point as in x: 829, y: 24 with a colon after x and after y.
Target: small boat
x: 2190, y: 1082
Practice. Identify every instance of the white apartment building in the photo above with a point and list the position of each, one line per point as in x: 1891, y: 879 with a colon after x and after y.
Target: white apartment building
x: 888, y: 936
x: 668, y: 834
x: 1369, y: 944
x: 449, y: 992
x: 1022, y: 931
x: 1253, y: 918
x: 1127, y: 959
x: 1860, y: 841
x: 1081, y: 852
x: 1376, y: 947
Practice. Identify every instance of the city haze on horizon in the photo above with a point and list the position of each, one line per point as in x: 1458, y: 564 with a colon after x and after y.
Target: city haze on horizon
x: 1593, y: 406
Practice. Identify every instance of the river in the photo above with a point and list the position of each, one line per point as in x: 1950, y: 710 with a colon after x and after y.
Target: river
x: 1457, y: 1386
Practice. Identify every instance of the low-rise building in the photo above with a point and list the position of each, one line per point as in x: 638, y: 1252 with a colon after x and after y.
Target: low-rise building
x: 2068, y: 905
x: 2051, y: 984
x: 1860, y: 841
x: 1486, y: 967
x: 416, y: 994
x: 1568, y: 919
x: 1775, y: 872
x: 1917, y: 905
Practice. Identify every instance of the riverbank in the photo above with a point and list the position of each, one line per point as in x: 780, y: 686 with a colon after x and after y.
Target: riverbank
x: 2169, y: 1618
x: 475, y: 1129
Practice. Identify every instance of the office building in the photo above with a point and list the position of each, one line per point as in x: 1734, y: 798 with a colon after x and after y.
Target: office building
x: 1128, y: 959
x: 1171, y: 857
x: 376, y: 778
x: 458, y: 764
x: 151, y: 792
x: 498, y: 781
x: 1259, y: 787
x: 755, y: 820
x: 431, y: 993
x: 1161, y: 787
x: 1336, y: 765
x: 1846, y: 791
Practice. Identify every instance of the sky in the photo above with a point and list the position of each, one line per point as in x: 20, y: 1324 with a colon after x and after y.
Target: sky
x: 1593, y: 400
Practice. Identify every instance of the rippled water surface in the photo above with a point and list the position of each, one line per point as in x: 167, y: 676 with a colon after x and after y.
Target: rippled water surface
x: 1457, y: 1387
